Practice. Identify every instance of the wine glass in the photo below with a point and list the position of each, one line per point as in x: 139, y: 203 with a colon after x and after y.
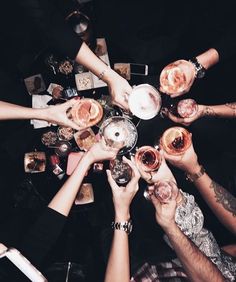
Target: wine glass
x: 176, y: 140
x: 120, y: 171
x: 119, y: 132
x: 176, y: 78
x: 144, y: 101
x: 163, y: 190
x: 148, y: 158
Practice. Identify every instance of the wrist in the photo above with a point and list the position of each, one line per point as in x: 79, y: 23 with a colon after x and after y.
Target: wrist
x: 208, y: 58
x: 41, y: 114
x: 89, y: 157
x: 195, y: 168
x: 109, y: 75
x: 192, y: 177
x: 122, y: 216
x: 169, y: 227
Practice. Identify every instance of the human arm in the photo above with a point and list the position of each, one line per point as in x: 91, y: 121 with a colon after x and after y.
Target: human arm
x: 45, y: 231
x: 196, y: 265
x: 64, y: 199
x: 222, y: 203
x: 118, y: 267
x: 227, y: 110
x: 178, y: 77
x: 119, y: 87
x: 55, y: 114
x: 55, y: 32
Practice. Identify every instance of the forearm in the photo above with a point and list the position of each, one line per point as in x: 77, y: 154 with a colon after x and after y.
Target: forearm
x: 88, y: 59
x: 64, y: 199
x: 11, y: 111
x: 227, y: 110
x: 118, y: 266
x: 222, y: 203
x: 208, y: 58
x: 197, y: 266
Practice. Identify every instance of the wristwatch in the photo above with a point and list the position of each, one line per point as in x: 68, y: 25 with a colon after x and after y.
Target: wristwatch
x: 123, y: 225
x: 200, y: 71
x: 195, y: 176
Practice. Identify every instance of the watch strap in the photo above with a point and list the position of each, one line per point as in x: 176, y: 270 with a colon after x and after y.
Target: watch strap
x: 199, y: 69
x: 123, y: 226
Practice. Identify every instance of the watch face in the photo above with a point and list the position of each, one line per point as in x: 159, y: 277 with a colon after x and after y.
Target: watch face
x: 201, y: 73
x: 200, y: 70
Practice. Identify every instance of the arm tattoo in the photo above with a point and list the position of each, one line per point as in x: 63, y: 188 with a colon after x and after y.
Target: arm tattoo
x: 232, y: 106
x: 223, y: 197
x: 209, y: 112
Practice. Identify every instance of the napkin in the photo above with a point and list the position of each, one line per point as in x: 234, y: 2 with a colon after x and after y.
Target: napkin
x: 40, y: 101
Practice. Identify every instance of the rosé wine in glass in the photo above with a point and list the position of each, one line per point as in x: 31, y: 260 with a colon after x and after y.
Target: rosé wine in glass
x: 148, y: 158
x: 164, y: 191
x: 176, y: 140
x: 176, y: 77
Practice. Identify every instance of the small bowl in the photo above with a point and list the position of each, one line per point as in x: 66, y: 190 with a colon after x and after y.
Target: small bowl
x: 65, y: 133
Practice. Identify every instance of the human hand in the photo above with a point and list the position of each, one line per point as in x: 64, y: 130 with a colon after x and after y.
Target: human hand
x: 162, y: 173
x: 119, y: 89
x: 185, y: 121
x: 165, y: 212
x: 177, y: 78
x: 58, y: 114
x: 100, y: 152
x: 123, y: 196
x: 188, y: 161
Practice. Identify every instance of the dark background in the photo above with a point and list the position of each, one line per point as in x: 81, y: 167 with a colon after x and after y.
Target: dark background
x: 135, y: 32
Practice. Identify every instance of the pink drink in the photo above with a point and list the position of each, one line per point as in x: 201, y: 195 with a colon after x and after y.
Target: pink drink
x: 176, y: 140
x: 164, y: 191
x: 148, y: 158
x: 187, y: 108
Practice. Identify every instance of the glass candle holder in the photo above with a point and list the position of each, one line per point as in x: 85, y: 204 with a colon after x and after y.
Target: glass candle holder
x: 176, y: 140
x: 63, y: 148
x: 65, y: 133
